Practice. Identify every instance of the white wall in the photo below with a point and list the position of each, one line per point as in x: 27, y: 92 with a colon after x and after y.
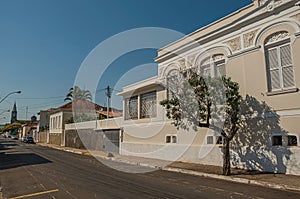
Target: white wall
x: 56, y: 123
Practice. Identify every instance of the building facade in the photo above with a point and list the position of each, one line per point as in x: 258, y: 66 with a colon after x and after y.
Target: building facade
x: 257, y: 46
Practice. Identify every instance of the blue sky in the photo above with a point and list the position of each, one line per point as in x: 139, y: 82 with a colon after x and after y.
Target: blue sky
x: 44, y: 42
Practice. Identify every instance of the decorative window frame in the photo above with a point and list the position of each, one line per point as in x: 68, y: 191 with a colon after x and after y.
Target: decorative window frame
x: 276, y: 41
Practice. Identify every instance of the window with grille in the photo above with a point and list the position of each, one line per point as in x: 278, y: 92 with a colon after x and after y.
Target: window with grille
x: 131, y: 108
x: 210, y: 140
x: 292, y: 140
x: 171, y: 139
x: 168, y: 139
x: 280, y: 67
x: 148, y: 105
x: 277, y: 140
x: 219, y: 140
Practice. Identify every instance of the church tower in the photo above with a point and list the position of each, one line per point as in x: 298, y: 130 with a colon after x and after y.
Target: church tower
x: 14, y: 114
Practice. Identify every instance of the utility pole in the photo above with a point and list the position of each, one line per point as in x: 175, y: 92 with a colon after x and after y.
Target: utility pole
x: 108, y: 96
x: 26, y: 111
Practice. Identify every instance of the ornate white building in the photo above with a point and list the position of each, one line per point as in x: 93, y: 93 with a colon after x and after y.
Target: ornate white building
x: 257, y: 46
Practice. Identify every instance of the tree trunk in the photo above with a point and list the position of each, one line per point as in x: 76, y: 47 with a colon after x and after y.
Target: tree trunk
x: 226, y: 157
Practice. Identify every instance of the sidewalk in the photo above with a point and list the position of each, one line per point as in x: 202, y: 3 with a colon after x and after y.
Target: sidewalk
x: 275, y: 181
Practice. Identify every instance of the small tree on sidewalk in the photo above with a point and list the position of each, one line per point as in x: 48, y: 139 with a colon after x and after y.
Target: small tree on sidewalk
x: 205, y: 102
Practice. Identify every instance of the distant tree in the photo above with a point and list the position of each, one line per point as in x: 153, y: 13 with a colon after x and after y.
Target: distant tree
x: 206, y: 102
x: 80, y: 118
x: 70, y: 120
x: 11, y: 127
x: 77, y: 93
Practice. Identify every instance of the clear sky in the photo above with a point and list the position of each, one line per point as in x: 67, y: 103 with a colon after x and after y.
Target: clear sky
x: 44, y: 42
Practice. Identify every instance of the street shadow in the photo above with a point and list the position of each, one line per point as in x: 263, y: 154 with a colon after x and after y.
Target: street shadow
x: 13, y: 160
x: 6, y: 144
x: 254, y: 147
x: 8, y: 161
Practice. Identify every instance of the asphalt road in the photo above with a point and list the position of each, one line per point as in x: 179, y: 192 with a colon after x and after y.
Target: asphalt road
x: 33, y: 171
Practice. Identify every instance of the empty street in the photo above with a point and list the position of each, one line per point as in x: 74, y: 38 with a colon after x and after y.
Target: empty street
x: 33, y: 171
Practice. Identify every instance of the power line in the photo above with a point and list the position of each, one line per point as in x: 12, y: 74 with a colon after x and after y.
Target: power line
x: 105, y: 89
x: 38, y: 98
x: 42, y: 105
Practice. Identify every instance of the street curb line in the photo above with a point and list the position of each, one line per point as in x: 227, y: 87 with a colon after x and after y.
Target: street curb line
x: 185, y: 171
x: 234, y: 179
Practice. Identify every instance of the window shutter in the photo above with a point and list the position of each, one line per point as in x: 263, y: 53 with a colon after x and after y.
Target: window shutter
x: 273, y: 69
x: 206, y: 70
x: 275, y: 81
x: 288, y: 76
x: 273, y: 58
x: 286, y: 57
x: 221, y: 70
x: 287, y: 67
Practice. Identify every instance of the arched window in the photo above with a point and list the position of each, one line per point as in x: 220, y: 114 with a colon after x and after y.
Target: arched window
x: 279, y: 62
x: 172, y: 83
x: 213, y: 66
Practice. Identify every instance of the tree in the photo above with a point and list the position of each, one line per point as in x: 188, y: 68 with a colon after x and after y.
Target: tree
x: 77, y: 93
x: 11, y: 127
x: 206, y: 102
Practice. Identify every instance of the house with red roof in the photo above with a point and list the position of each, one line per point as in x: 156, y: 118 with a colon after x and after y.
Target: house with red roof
x: 75, y: 111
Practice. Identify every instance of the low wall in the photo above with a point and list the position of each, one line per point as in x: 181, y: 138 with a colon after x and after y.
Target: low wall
x: 107, y: 140
x: 112, y: 123
x: 268, y: 159
x: 277, y: 159
x: 43, y: 136
x: 83, y: 139
x: 82, y: 125
x: 55, y: 138
x: 175, y: 152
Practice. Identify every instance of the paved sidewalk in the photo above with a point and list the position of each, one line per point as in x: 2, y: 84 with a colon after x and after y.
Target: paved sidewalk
x: 276, y: 181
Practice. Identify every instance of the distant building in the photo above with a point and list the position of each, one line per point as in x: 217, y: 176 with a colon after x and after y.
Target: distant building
x: 75, y: 111
x: 30, y: 129
x: 44, y: 119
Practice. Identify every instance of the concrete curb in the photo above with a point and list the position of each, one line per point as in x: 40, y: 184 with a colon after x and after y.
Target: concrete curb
x: 234, y: 179
x: 190, y: 172
x: 123, y: 161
